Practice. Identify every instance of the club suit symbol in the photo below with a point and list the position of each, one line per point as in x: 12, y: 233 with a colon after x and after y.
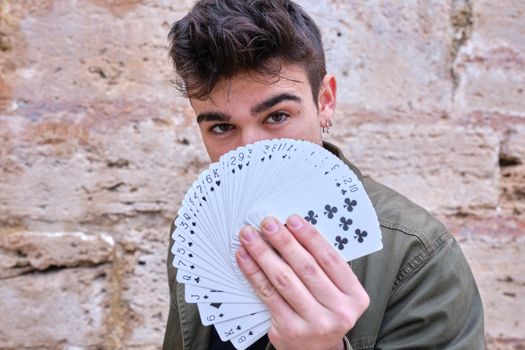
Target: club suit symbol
x: 340, y: 242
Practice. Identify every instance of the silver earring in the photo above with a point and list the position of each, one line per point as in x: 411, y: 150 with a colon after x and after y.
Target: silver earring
x: 329, y: 124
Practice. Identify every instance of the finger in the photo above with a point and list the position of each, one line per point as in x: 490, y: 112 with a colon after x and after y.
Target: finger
x: 335, y: 267
x: 279, y: 274
x: 277, y: 306
x: 302, y: 262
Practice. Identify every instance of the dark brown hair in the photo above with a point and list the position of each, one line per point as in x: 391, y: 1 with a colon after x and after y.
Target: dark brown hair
x: 220, y: 38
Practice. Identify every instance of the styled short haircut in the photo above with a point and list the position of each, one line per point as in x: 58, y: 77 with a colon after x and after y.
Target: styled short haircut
x: 218, y: 39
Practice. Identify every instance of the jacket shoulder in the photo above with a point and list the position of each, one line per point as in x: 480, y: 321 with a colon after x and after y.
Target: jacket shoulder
x: 398, y: 214
x: 422, y: 292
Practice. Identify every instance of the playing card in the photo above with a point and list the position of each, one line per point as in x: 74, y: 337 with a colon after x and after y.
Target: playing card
x: 198, y: 294
x: 219, y: 312
x: 232, y: 328
x: 277, y: 178
x: 248, y: 337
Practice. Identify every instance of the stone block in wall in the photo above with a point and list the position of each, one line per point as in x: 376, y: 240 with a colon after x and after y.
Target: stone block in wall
x: 513, y: 146
x: 512, y: 163
x: 389, y: 57
x: 58, y: 309
x: 500, y: 22
x: 446, y: 169
x: 82, y: 169
x: 60, y: 56
x: 490, y: 67
x: 145, y: 288
x: 29, y: 251
x: 498, y: 264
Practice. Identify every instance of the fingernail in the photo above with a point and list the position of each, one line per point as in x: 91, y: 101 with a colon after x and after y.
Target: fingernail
x: 270, y: 225
x: 295, y: 221
x: 247, y: 234
x: 242, y: 253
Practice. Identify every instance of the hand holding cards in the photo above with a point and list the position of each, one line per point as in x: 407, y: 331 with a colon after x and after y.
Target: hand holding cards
x: 269, y: 178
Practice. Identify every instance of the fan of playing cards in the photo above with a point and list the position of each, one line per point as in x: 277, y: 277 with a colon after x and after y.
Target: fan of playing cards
x: 276, y: 178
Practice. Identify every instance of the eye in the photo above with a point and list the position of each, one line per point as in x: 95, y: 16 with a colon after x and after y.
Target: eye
x: 277, y: 117
x: 220, y: 129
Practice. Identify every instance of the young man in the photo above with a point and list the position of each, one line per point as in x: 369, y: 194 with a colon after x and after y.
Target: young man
x: 253, y: 70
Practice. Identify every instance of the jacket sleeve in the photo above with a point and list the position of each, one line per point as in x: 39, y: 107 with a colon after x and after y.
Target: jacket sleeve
x: 172, y: 335
x: 437, y: 306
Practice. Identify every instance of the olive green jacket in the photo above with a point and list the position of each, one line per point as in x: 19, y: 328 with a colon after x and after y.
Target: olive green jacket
x: 422, y: 292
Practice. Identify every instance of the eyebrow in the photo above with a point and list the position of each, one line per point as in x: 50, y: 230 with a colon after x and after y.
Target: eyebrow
x: 272, y: 101
x: 212, y: 117
x: 261, y: 107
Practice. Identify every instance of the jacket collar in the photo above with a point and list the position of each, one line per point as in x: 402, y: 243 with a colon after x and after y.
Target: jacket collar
x: 339, y: 154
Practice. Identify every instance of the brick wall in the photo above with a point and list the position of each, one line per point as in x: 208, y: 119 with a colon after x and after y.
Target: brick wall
x: 96, y: 151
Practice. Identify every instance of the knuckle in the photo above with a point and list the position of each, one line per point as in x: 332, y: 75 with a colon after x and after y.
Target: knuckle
x: 284, y: 239
x: 360, y: 300
x: 308, y: 270
x: 258, y: 250
x: 310, y: 232
x: 351, y: 320
x: 350, y: 314
x: 282, y: 280
x: 331, y: 259
x: 292, y: 331
x: 265, y: 289
x: 347, y: 319
x: 325, y: 327
x: 249, y: 269
x: 364, y: 301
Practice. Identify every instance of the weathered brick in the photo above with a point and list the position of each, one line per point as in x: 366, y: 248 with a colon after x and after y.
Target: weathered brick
x: 122, y: 59
x: 512, y: 162
x: 497, y: 264
x: 145, y: 289
x: 55, y: 310
x: 500, y: 21
x: 389, y: 57
x: 490, y: 67
x: 446, y: 169
x: 24, y: 252
x: 137, y: 167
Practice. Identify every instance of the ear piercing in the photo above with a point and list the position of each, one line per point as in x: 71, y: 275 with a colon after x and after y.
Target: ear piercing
x: 329, y: 124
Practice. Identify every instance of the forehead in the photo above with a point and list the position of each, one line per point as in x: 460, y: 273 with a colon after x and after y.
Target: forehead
x: 250, y: 87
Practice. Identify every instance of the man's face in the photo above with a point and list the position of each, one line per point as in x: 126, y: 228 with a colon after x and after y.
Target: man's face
x: 250, y: 107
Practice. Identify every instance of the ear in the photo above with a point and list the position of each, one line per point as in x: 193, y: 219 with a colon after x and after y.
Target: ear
x: 327, y: 100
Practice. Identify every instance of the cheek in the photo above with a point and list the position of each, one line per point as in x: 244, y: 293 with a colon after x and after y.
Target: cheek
x: 308, y: 128
x: 209, y: 144
x: 216, y: 148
